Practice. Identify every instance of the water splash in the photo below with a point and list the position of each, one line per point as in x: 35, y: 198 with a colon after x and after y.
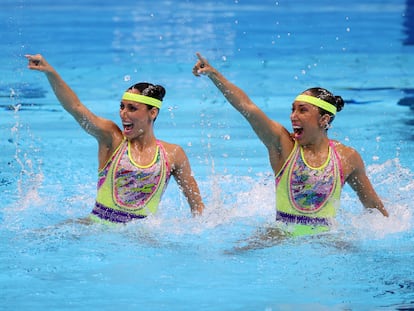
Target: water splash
x: 245, y: 201
x: 25, y: 168
x: 394, y: 184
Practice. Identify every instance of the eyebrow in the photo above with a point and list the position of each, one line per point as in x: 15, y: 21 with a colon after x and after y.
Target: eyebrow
x: 130, y: 103
x: 301, y: 104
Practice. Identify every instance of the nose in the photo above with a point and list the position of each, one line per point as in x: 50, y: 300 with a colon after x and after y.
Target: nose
x: 293, y: 115
x: 122, y: 111
x: 122, y: 114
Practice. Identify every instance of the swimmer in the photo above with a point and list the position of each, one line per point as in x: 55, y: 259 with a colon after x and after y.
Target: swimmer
x: 310, y: 169
x: 134, y: 166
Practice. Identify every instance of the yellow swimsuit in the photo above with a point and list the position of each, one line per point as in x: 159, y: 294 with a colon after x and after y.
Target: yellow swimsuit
x: 128, y: 191
x: 307, y: 197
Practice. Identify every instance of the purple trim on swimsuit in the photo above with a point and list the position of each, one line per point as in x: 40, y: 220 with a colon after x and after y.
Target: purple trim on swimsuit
x: 302, y: 219
x: 112, y: 215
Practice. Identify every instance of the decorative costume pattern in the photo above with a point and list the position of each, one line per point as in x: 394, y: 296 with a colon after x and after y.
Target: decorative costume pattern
x: 308, y: 195
x: 126, y: 190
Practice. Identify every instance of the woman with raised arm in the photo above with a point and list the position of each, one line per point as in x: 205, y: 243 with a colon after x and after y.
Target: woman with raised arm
x: 310, y: 169
x: 134, y: 166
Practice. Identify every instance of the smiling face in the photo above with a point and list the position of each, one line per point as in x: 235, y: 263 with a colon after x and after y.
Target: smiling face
x: 306, y: 122
x: 137, y: 119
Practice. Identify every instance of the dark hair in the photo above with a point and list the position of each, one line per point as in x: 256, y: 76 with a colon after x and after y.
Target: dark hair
x: 148, y: 89
x: 327, y: 96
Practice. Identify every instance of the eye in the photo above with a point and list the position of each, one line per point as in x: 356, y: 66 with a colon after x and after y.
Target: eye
x: 128, y: 107
x: 303, y: 109
x: 132, y: 108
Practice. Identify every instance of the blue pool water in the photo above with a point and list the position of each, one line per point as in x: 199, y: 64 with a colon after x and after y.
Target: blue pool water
x: 361, y: 50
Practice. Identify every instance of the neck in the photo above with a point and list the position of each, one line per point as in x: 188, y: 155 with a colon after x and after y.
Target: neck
x: 316, y: 153
x: 317, y: 145
x: 143, y: 142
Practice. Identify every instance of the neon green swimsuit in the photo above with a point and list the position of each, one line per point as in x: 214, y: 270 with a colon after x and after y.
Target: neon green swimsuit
x: 128, y: 191
x: 307, y: 197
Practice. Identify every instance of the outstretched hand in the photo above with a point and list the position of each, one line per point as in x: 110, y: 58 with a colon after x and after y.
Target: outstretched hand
x: 202, y: 67
x: 37, y: 62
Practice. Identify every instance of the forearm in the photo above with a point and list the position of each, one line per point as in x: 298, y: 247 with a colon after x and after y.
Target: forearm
x: 67, y: 98
x: 191, y: 191
x: 194, y: 199
x: 197, y: 207
x: 269, y: 132
x: 382, y: 209
x: 368, y: 196
x: 71, y: 103
x: 361, y: 184
x: 236, y: 96
x: 266, y: 129
x: 375, y: 204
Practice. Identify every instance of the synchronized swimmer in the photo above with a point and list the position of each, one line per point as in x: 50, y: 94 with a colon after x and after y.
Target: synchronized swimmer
x: 134, y: 166
x: 309, y: 168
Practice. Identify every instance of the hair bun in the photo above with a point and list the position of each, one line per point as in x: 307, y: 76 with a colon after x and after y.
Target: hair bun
x: 339, y: 103
x: 155, y: 91
x: 151, y: 90
x: 160, y: 90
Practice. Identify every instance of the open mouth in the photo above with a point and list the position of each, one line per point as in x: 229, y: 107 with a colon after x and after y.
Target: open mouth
x: 127, y: 126
x: 297, y: 131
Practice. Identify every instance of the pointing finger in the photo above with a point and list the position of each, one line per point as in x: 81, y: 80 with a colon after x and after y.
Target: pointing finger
x: 202, y: 60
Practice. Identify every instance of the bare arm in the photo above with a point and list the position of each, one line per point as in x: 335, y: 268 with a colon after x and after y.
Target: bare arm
x: 107, y: 133
x: 360, y: 183
x: 274, y: 136
x: 182, y: 173
x: 100, y: 128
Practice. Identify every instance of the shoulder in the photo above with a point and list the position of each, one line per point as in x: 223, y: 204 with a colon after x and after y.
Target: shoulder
x: 351, y: 160
x: 344, y: 151
x: 175, y: 153
x: 170, y: 148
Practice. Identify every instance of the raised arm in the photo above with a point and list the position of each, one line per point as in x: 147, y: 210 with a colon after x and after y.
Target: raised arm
x: 274, y: 136
x: 360, y: 183
x: 102, y: 129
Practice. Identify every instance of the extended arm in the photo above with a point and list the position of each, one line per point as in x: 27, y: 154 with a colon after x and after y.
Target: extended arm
x: 275, y: 137
x: 266, y: 129
x: 100, y: 128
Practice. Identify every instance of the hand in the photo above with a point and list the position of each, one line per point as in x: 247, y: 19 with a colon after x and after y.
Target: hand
x: 37, y: 62
x: 202, y: 67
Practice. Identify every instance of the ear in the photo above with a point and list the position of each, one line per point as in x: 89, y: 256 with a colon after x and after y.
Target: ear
x: 324, y: 120
x: 154, y: 113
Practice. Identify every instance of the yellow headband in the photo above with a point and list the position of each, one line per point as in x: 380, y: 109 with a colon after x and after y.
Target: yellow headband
x: 142, y: 99
x: 317, y: 102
